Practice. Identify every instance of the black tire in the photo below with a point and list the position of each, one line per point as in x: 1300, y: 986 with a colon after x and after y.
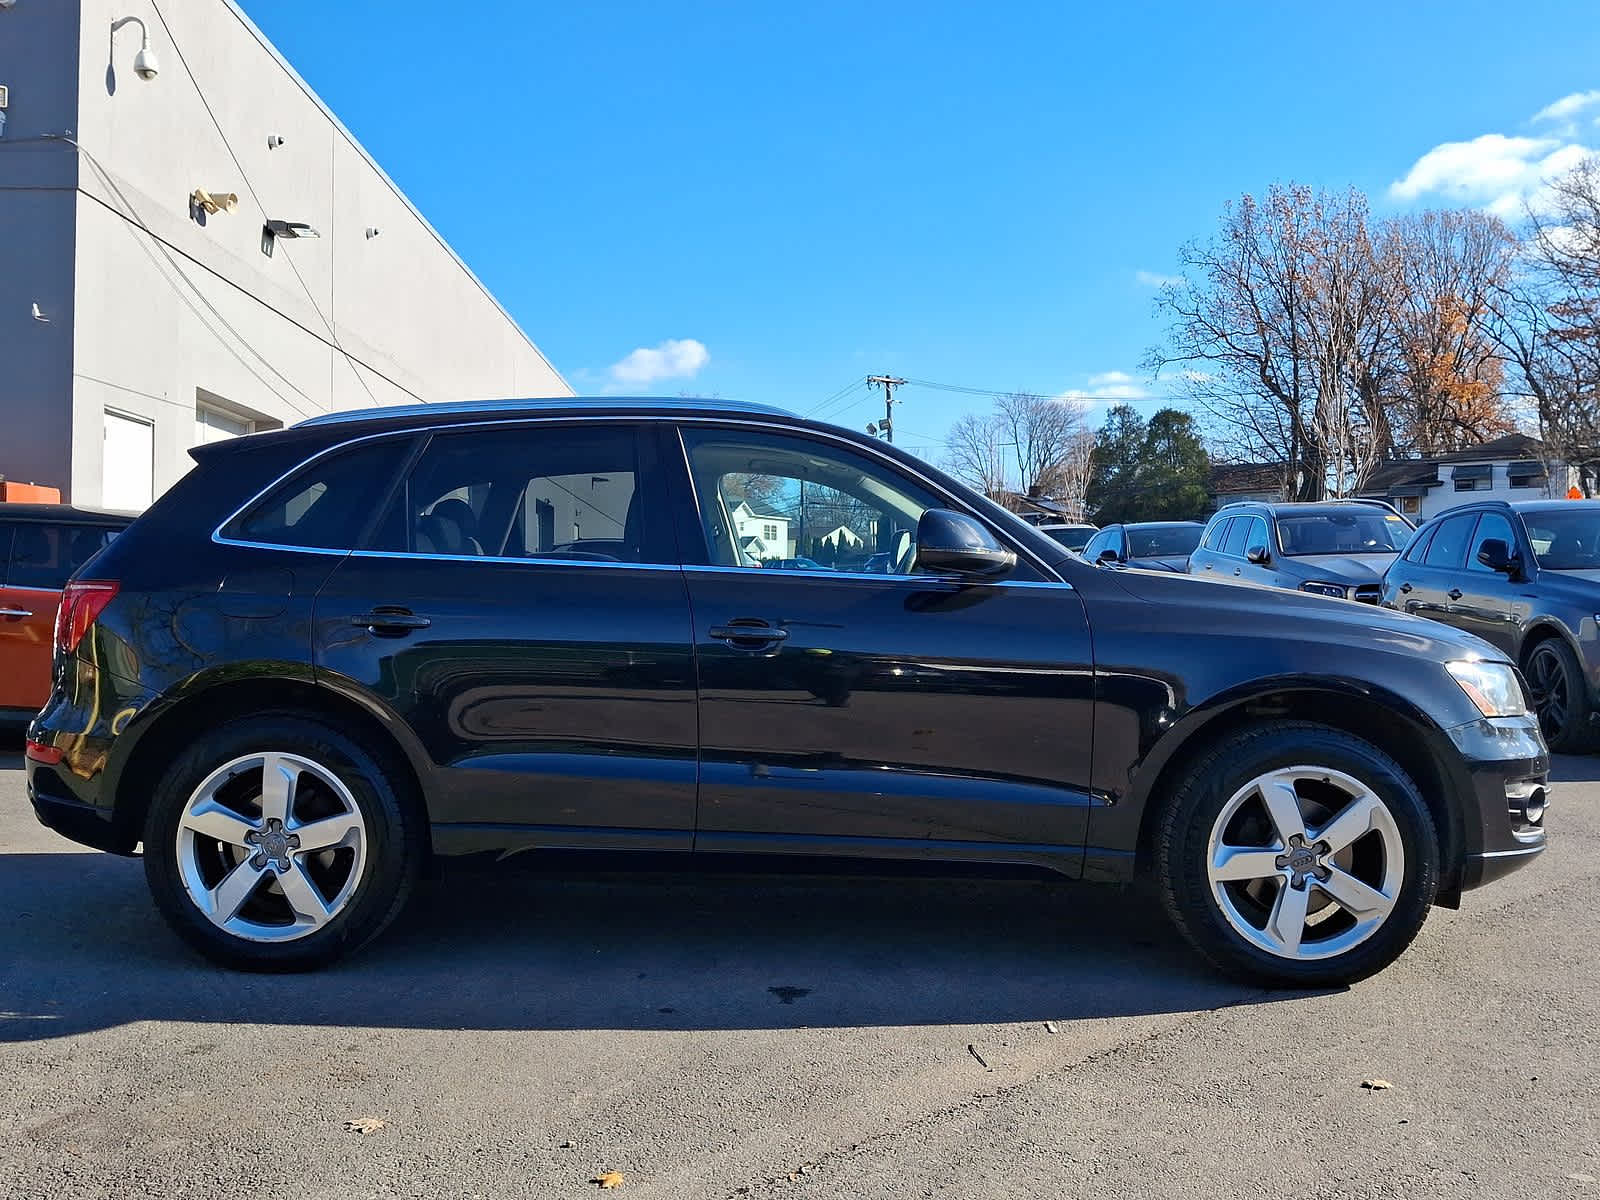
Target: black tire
x: 394, y: 833
x: 1182, y: 850
x: 1561, y: 696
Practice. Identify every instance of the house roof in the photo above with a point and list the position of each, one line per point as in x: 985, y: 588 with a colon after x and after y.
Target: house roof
x: 1511, y: 446
x: 1418, y: 474
x: 1246, y: 477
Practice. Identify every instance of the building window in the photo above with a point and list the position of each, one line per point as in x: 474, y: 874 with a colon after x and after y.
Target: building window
x: 1411, y: 505
x: 1525, y: 475
x: 1472, y: 485
x: 214, y: 425
x: 769, y: 533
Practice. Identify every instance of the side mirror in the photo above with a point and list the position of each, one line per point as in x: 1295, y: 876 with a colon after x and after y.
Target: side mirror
x: 951, y: 543
x: 1257, y: 554
x: 1497, y: 556
x: 1108, y: 556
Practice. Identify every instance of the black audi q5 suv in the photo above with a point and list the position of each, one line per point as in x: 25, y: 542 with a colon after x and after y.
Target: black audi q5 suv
x: 334, y: 652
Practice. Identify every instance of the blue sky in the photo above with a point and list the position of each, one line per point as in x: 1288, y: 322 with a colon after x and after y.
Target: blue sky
x: 770, y: 201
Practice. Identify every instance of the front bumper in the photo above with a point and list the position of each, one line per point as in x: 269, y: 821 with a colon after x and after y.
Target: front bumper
x: 1505, y: 793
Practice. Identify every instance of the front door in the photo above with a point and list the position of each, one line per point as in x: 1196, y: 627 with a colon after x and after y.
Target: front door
x: 520, y: 607
x: 1487, y: 597
x: 850, y: 704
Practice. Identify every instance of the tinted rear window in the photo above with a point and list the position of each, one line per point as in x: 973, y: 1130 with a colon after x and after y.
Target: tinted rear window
x: 1161, y: 543
x: 328, y: 503
x: 45, y: 556
x: 1449, y: 545
x: 1219, y: 534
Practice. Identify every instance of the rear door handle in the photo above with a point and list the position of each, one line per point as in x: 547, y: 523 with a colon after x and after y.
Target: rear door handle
x: 389, y: 621
x: 1454, y: 593
x: 15, y: 612
x: 1405, y: 589
x: 749, y: 633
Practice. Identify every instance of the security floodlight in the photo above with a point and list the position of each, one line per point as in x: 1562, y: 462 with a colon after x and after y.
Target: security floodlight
x: 145, y: 65
x: 273, y: 230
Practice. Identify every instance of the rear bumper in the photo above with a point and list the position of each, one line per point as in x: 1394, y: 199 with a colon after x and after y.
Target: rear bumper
x: 80, y: 823
x: 1504, y: 796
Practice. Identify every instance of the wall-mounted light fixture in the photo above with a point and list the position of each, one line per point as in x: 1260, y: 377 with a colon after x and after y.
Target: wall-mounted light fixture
x: 145, y: 65
x: 214, y: 202
x: 273, y: 141
x: 273, y: 230
x: 372, y: 232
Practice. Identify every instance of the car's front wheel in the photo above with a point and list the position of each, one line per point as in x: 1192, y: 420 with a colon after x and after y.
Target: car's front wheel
x: 1297, y: 855
x: 1560, y: 696
x: 279, y: 843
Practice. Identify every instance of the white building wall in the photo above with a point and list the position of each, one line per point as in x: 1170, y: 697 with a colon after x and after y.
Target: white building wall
x: 165, y: 308
x: 1445, y: 496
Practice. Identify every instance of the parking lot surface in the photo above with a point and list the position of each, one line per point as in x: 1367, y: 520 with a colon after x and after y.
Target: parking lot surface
x: 520, y: 1031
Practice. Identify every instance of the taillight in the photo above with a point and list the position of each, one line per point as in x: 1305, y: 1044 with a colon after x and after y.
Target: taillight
x: 41, y: 753
x: 82, y: 602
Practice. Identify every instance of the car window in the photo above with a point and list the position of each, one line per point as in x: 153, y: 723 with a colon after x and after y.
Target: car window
x: 1234, y: 546
x: 1106, y: 539
x: 1419, y: 544
x: 1073, y: 537
x: 1356, y: 529
x: 563, y: 492
x: 1565, y: 539
x: 1162, y: 541
x: 768, y: 500
x: 1449, y: 545
x: 1256, y: 534
x: 1490, y: 526
x: 1218, y: 534
x: 45, y: 556
x: 327, y: 504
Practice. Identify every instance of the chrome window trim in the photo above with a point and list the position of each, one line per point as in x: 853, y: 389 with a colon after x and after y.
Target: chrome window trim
x: 789, y: 425
x: 874, y: 577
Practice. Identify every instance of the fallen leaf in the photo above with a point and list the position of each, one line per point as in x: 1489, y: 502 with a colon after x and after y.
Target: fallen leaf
x: 1051, y: 1027
x: 1376, y: 1085
x: 364, y: 1125
x: 608, y: 1179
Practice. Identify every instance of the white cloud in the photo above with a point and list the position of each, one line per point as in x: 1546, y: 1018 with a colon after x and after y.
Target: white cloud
x: 1155, y: 279
x: 1107, y: 387
x: 1568, y: 107
x: 1501, y: 173
x: 675, y: 358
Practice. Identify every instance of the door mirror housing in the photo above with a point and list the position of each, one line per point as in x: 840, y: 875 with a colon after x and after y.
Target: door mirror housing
x: 1257, y: 554
x: 1108, y: 556
x: 952, y: 543
x: 1497, y: 556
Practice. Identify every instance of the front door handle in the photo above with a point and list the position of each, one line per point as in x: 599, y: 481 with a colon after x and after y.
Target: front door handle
x: 390, y: 621
x: 749, y: 633
x: 1454, y: 593
x: 15, y: 612
x: 1405, y: 589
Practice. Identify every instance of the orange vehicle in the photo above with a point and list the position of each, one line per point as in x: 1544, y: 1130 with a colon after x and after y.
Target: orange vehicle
x: 41, y: 545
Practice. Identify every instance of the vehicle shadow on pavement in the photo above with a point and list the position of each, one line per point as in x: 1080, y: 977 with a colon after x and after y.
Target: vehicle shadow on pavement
x: 82, y: 948
x: 1575, y: 768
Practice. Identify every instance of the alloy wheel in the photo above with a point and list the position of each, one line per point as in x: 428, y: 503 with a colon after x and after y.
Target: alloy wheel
x: 271, y: 847
x: 1305, y: 863
x: 1547, y: 679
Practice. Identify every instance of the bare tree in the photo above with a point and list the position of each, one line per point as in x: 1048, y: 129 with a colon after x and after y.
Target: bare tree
x: 1040, y: 431
x: 976, y: 452
x: 1076, y: 468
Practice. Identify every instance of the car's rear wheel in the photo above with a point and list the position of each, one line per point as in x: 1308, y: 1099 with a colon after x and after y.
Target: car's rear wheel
x: 1297, y: 855
x: 278, y: 843
x: 1560, y: 697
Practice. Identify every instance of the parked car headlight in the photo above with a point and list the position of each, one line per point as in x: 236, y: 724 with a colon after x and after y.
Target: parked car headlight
x: 1492, y: 686
x: 1324, y: 589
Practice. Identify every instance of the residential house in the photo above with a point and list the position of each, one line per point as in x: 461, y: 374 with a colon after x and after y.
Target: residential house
x: 1512, y: 467
x: 1231, y: 483
x: 761, y: 535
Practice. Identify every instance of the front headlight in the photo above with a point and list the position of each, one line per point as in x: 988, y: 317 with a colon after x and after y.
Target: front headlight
x: 1492, y: 686
x: 1324, y: 589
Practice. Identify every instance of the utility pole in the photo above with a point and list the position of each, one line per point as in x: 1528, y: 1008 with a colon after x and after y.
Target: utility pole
x: 889, y: 383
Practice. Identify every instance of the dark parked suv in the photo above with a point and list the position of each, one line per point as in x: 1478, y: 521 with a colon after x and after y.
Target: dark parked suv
x: 334, y: 651
x: 1526, y: 577
x: 1338, y: 548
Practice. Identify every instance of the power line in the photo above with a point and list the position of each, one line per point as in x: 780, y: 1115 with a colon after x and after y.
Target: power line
x: 817, y: 412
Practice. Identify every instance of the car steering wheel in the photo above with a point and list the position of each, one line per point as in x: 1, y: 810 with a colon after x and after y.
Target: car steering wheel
x: 904, y: 553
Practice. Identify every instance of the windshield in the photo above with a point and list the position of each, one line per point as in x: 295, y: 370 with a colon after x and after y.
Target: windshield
x: 1355, y: 532
x: 1171, y: 541
x: 1073, y: 537
x: 1565, y: 541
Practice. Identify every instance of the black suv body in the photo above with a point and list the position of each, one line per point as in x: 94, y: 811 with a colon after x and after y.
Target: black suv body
x: 1148, y: 545
x: 1337, y: 548
x: 1524, y: 576
x: 335, y: 651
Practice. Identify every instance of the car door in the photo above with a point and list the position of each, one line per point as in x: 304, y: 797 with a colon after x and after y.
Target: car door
x: 1204, y: 560
x: 1255, y: 535
x: 520, y: 607
x: 36, y: 560
x: 1487, y: 597
x: 853, y: 713
x: 1439, y: 573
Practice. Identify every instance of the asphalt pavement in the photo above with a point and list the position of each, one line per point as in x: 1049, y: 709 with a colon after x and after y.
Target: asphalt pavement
x: 522, y: 1030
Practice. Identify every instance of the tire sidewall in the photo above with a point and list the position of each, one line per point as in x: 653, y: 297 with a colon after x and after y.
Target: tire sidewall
x: 385, y: 873
x: 1574, y: 732
x: 1185, y: 852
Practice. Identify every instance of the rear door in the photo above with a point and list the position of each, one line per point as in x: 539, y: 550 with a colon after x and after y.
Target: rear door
x: 39, y: 559
x: 1204, y: 560
x: 521, y: 608
x: 844, y: 712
